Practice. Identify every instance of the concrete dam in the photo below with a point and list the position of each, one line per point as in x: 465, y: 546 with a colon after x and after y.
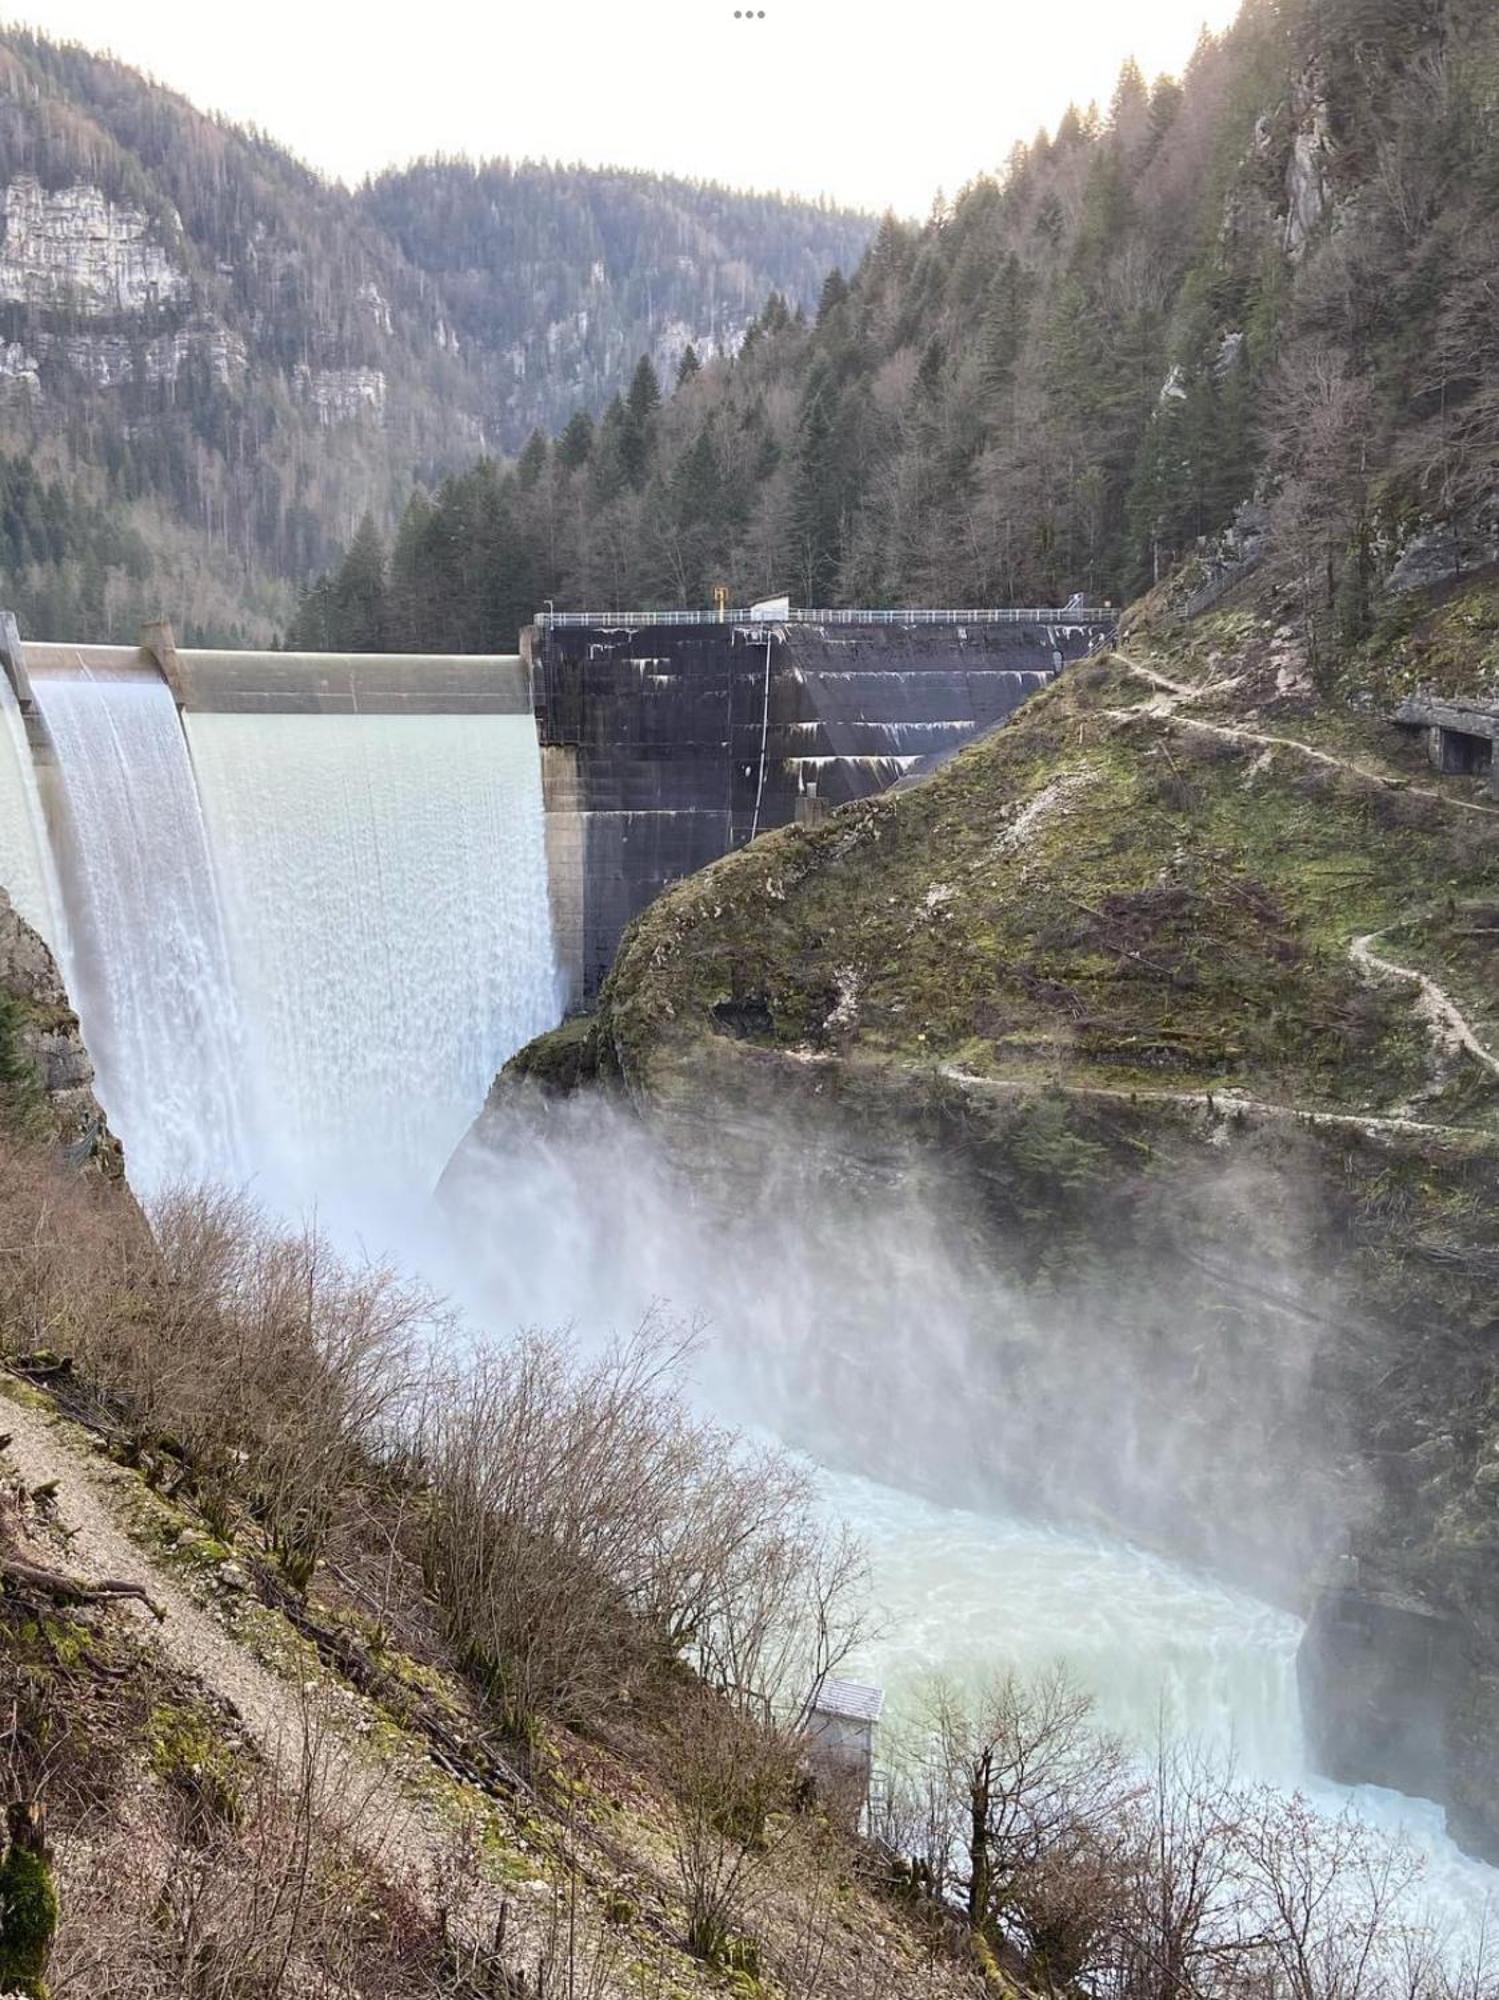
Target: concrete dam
x: 665, y: 738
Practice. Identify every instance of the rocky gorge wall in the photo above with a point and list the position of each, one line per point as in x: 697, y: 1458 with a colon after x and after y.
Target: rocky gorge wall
x: 46, y: 1075
x: 1182, y: 1322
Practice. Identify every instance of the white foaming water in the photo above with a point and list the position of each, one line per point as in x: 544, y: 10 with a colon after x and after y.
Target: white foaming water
x: 586, y: 1228
x: 149, y: 963
x: 970, y: 1595
x: 1163, y: 1651
x: 384, y: 887
x: 27, y: 871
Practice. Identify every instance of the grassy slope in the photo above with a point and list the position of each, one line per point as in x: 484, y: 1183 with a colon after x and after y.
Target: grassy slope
x: 1100, y: 894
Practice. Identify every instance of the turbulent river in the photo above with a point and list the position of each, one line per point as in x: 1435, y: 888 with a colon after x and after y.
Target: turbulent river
x: 301, y: 946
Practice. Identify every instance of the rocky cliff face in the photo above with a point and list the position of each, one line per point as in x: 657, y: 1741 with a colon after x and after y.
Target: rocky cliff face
x: 73, y: 248
x: 1224, y: 1195
x: 49, y: 1077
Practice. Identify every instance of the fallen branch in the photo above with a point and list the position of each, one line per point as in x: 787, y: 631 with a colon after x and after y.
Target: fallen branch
x: 70, y: 1590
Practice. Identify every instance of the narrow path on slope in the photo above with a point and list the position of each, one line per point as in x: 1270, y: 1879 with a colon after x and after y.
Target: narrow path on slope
x: 1448, y: 1024
x: 1234, y: 733
x: 355, y: 1794
x: 1445, y: 1018
x: 1221, y: 1103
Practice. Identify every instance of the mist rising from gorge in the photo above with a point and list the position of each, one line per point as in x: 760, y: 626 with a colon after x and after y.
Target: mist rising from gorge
x: 860, y: 1305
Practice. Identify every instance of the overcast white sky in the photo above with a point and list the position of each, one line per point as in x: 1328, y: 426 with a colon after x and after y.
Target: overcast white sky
x: 871, y: 101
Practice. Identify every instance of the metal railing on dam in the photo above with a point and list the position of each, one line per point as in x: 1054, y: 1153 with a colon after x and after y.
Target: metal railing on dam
x: 1071, y: 614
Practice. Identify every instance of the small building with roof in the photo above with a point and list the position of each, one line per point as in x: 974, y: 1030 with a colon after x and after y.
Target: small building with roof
x: 841, y: 1718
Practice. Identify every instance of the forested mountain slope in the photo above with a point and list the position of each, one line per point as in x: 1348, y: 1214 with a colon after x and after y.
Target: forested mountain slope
x: 1269, y: 283
x: 563, y: 277
x: 213, y: 363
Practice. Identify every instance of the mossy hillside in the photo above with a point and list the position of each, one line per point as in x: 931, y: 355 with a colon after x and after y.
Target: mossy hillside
x: 24, y: 1110
x: 1094, y: 894
x: 28, y: 1920
x: 1445, y: 643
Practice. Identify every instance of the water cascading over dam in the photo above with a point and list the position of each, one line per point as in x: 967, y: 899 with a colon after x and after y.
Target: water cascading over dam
x: 383, y: 885
x: 149, y: 961
x: 300, y: 943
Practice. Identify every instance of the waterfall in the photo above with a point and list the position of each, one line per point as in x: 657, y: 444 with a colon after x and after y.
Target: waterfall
x: 384, y: 886
x: 149, y: 962
x: 301, y: 945
x: 969, y: 1594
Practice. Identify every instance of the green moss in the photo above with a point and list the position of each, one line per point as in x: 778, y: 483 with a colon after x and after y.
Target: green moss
x: 24, y: 1110
x: 1446, y: 642
x: 560, y: 1061
x: 24, y: 1394
x: 28, y: 1920
x: 187, y: 1752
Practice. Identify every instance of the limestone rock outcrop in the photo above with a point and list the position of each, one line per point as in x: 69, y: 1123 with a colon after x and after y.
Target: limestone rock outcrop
x: 76, y: 249
x: 344, y: 395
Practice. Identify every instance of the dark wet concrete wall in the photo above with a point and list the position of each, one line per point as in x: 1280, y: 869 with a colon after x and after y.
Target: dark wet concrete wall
x: 665, y: 746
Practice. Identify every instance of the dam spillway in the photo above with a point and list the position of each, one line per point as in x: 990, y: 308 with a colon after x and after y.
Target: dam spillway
x: 303, y: 922
x: 148, y: 961
x: 383, y: 886
x: 207, y: 681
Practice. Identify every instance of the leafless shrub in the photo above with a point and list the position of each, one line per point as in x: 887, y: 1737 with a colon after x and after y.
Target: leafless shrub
x: 585, y: 1530
x: 270, y: 1368
x: 1330, y: 1900
x: 1180, y: 1900
x: 1172, y: 1883
x: 1320, y: 419
x: 69, y: 1251
x: 272, y: 1900
x: 735, y: 1783
x: 280, y: 1367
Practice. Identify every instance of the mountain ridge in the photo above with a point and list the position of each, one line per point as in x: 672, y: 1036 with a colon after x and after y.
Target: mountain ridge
x: 232, y: 354
x: 1240, y: 317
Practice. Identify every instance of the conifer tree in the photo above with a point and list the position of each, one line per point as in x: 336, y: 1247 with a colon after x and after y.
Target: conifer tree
x: 834, y: 292
x: 575, y: 446
x: 357, y: 607
x: 644, y: 398
x: 532, y: 462
x: 638, y: 436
